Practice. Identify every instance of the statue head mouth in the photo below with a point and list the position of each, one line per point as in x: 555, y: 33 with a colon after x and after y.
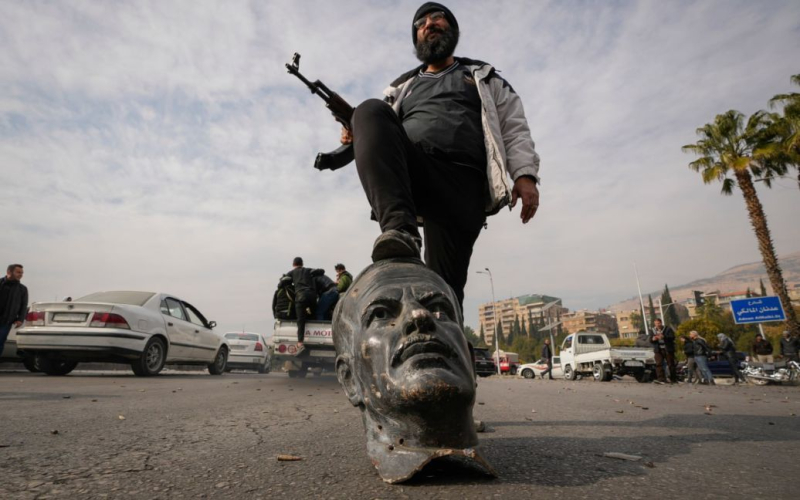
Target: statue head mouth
x: 423, y: 345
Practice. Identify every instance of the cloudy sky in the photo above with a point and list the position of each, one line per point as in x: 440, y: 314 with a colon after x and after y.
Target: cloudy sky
x: 162, y: 146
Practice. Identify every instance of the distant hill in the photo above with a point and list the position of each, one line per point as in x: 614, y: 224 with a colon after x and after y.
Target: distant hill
x: 731, y: 280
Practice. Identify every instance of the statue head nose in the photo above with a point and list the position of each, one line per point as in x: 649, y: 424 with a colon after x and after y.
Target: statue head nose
x: 420, y: 321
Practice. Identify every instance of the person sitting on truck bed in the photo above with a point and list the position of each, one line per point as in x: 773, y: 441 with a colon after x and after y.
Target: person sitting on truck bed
x: 328, y: 296
x: 283, y: 299
x: 305, y: 295
x: 343, y: 278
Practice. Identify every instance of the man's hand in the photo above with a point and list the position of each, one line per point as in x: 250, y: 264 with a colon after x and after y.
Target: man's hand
x: 525, y: 188
x: 347, y: 136
x: 17, y: 324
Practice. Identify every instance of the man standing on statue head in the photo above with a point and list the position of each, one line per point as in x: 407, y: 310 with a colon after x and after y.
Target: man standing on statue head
x: 442, y: 146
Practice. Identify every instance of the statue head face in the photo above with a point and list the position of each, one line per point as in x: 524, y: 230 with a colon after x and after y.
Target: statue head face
x: 398, y: 331
x: 402, y: 358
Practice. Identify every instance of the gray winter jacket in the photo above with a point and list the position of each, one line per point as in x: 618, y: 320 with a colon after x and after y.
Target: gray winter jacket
x: 509, y: 147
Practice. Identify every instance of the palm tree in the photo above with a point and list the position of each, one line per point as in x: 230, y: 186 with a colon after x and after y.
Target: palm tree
x: 788, y: 127
x: 732, y: 152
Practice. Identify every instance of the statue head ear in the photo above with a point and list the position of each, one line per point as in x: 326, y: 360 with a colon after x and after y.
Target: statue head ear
x: 344, y: 372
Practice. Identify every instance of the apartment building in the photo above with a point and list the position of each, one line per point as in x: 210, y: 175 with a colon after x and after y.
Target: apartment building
x: 506, y: 311
x: 595, y: 321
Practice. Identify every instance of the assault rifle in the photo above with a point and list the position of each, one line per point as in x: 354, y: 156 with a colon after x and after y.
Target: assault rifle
x: 342, y: 111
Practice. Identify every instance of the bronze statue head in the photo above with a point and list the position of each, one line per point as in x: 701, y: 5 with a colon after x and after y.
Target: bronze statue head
x: 403, y: 359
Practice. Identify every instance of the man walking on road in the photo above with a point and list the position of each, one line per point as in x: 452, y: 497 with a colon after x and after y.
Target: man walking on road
x: 442, y: 146
x: 547, y: 354
x: 13, y: 302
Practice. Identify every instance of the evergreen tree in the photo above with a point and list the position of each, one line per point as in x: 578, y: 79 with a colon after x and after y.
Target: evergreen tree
x: 482, y: 338
x: 513, y: 332
x: 651, y: 310
x: 525, y: 332
x: 636, y: 321
x: 748, y: 293
x: 499, y: 334
x: 763, y: 288
x: 671, y: 317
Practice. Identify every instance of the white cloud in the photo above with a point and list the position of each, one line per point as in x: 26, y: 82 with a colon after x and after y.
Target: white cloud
x: 161, y: 145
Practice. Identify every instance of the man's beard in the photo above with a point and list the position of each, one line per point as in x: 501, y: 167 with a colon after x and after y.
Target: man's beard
x: 438, y: 49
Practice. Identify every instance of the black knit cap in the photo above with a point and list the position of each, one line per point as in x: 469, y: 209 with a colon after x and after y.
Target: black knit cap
x: 427, y: 8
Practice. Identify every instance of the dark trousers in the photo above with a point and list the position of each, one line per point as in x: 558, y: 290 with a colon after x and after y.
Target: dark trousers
x: 4, y: 331
x: 402, y: 181
x: 300, y: 306
x: 549, y: 370
x: 662, y: 355
x: 731, y: 357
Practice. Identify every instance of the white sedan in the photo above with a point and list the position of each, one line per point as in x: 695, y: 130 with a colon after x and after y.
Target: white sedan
x: 532, y: 370
x: 249, y: 351
x: 143, y: 329
x: 11, y: 355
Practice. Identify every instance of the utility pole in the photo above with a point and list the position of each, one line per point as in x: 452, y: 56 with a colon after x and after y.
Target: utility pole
x: 641, y: 300
x: 498, y: 320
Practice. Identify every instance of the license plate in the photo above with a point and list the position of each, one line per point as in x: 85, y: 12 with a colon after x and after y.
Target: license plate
x: 634, y: 363
x: 238, y: 347
x: 69, y: 317
x: 322, y: 354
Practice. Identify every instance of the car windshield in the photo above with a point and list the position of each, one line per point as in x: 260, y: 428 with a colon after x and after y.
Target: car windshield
x: 242, y: 336
x: 129, y: 298
x: 479, y: 354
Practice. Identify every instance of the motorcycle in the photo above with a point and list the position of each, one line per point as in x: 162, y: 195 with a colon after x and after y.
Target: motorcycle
x: 778, y: 372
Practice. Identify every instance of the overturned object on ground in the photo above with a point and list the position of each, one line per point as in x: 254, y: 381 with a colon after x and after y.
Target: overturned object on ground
x: 403, y: 359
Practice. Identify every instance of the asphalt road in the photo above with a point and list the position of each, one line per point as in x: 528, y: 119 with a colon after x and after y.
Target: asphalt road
x: 192, y: 435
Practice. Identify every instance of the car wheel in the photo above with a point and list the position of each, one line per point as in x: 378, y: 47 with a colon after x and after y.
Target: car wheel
x: 608, y: 375
x: 56, y: 367
x: 263, y: 368
x: 569, y: 373
x: 528, y: 373
x: 220, y: 360
x: 31, y: 363
x: 597, y: 372
x: 152, y: 359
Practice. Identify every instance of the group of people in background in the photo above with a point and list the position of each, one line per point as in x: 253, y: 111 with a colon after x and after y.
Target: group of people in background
x: 305, y: 293
x: 662, y: 339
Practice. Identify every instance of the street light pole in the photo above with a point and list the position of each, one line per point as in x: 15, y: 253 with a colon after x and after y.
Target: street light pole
x: 498, y: 320
x: 641, y: 301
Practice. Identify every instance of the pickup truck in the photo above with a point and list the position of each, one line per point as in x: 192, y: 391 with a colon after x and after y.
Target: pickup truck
x: 318, y: 353
x: 585, y: 353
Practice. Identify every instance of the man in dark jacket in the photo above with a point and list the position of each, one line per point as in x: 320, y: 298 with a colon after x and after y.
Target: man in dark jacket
x: 701, y: 352
x: 762, y: 350
x: 328, y: 296
x: 305, y: 295
x: 442, y: 145
x: 663, y: 340
x: 692, y: 372
x: 283, y: 299
x: 728, y: 349
x: 790, y: 347
x: 13, y: 302
x: 547, y: 355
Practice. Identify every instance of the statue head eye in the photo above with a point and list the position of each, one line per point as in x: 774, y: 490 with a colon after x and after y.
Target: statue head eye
x: 441, y: 310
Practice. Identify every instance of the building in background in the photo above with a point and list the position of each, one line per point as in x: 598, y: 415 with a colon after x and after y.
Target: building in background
x: 525, y: 307
x: 590, y: 321
x: 625, y: 326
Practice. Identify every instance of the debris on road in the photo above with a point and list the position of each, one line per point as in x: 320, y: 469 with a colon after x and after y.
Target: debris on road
x: 480, y: 426
x: 622, y: 456
x: 54, y: 431
x: 289, y: 458
x: 121, y: 417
